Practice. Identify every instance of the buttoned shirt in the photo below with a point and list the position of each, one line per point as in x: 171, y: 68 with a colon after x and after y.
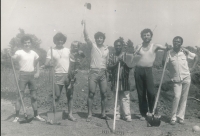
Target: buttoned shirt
x: 178, y: 65
x: 98, y: 57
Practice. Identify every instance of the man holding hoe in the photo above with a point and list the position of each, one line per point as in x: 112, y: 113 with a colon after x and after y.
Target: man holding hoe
x: 143, y: 72
x: 97, y: 75
x: 29, y: 70
x: 61, y: 58
x: 123, y: 105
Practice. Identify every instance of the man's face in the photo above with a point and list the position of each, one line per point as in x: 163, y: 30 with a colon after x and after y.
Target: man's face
x: 99, y: 40
x: 118, y: 47
x: 177, y: 43
x: 27, y: 45
x: 75, y: 47
x: 146, y: 37
x: 59, y: 43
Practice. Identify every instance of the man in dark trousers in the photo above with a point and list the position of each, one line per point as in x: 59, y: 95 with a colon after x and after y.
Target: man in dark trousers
x: 143, y: 72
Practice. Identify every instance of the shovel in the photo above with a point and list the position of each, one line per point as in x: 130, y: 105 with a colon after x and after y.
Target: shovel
x: 53, y: 117
x: 152, y: 119
x: 26, y: 120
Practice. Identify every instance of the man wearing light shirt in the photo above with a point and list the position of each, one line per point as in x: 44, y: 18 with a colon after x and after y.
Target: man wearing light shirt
x: 61, y: 58
x: 180, y: 76
x: 97, y: 75
x: 29, y: 70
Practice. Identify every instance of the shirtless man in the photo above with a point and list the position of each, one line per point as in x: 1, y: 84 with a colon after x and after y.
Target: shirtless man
x: 143, y: 72
x: 97, y: 75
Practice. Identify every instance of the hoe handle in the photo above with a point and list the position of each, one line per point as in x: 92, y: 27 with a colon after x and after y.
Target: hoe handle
x: 52, y: 70
x: 159, y: 89
x: 18, y: 86
x: 116, y: 97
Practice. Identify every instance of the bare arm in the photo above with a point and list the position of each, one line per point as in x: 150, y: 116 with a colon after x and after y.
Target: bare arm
x: 86, y: 37
x: 196, y: 59
x: 162, y: 47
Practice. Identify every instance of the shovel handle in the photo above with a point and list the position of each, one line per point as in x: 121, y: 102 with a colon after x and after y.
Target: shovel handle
x: 17, y: 85
x: 116, y: 97
x: 159, y: 89
x: 53, y: 91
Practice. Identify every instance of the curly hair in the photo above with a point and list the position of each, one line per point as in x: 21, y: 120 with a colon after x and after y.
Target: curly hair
x: 26, y: 38
x: 178, y: 37
x: 146, y: 30
x: 98, y: 34
x: 118, y: 40
x: 59, y: 36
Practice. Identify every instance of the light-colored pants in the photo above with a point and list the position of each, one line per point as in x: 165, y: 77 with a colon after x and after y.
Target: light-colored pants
x: 181, y: 90
x: 123, y: 104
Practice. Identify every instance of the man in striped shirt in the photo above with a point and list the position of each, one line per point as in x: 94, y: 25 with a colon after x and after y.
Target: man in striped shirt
x: 123, y: 105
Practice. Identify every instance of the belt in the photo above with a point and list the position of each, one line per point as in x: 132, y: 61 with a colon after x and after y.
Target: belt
x: 98, y: 69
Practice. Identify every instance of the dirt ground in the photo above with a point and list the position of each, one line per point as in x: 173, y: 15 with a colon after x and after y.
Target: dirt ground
x: 97, y: 126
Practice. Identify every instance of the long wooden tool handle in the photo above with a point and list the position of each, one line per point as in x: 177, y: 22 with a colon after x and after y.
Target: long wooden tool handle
x: 158, y: 93
x: 116, y: 97
x: 53, y: 91
x: 17, y: 85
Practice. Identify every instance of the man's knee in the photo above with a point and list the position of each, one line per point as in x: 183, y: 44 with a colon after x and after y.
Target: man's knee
x: 69, y: 95
x: 103, y: 95
x: 91, y: 95
x: 34, y: 98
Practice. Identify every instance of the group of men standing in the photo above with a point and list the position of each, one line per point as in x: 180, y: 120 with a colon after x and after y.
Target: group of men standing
x: 103, y: 62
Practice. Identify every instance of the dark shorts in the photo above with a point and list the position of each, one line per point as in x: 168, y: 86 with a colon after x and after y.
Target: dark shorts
x: 27, y: 78
x: 97, y: 75
x: 61, y: 79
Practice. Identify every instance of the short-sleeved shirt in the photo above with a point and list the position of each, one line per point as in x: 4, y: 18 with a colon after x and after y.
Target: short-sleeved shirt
x: 98, y: 57
x: 61, y: 59
x: 178, y: 65
x: 26, y: 60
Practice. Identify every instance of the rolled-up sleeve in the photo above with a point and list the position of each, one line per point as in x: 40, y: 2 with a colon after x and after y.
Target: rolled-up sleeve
x: 191, y: 55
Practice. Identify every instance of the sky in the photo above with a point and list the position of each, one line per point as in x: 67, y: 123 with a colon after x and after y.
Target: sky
x: 115, y: 18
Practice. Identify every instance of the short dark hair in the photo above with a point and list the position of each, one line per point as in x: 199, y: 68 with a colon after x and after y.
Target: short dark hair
x: 59, y: 36
x: 178, y: 37
x: 98, y: 34
x: 26, y: 38
x: 146, y: 30
x: 119, y: 40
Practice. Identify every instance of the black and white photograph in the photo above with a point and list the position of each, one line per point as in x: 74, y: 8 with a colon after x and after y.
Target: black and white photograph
x: 100, y: 67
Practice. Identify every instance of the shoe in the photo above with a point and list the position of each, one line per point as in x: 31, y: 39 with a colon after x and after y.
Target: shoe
x: 72, y: 118
x: 16, y: 119
x: 89, y: 118
x: 39, y: 118
x: 181, y: 121
x: 128, y: 119
x: 142, y: 118
x: 173, y: 122
x: 105, y: 117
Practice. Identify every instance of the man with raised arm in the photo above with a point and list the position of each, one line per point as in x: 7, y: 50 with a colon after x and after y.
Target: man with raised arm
x: 97, y: 74
x: 143, y: 72
x: 180, y: 76
x: 29, y: 71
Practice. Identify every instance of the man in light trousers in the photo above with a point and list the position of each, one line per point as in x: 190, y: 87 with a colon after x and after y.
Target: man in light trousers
x: 180, y: 76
